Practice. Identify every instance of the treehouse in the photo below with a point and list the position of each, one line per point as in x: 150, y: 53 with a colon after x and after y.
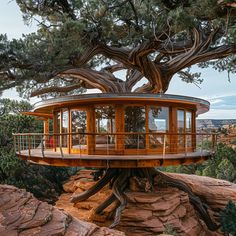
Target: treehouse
x: 117, y: 131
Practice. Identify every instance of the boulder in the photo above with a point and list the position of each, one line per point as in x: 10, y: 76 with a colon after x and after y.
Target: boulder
x: 23, y: 215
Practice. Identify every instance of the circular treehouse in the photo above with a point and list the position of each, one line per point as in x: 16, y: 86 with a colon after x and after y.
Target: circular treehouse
x: 117, y: 131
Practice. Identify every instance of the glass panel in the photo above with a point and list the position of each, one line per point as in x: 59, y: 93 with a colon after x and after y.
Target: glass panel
x: 180, y: 123
x: 105, y: 123
x: 189, y: 128
x: 58, y: 129
x: 157, y: 141
x: 135, y: 122
x: 134, y: 119
x: 105, y: 119
x: 64, y: 127
x: 158, y: 119
x: 78, y: 128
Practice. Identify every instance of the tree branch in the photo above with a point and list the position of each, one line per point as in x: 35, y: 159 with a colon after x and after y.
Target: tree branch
x: 56, y: 89
x: 106, y: 82
x: 133, y: 79
x: 199, y: 52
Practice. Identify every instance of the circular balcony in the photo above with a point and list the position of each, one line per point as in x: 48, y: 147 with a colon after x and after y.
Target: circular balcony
x: 39, y: 148
x: 118, y: 131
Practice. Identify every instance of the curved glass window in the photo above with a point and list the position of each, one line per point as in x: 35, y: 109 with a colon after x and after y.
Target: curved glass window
x: 135, y: 120
x: 64, y: 127
x: 158, y: 122
x: 105, y: 126
x: 189, y: 128
x: 184, y: 126
x: 58, y: 128
x: 188, y: 122
x: 105, y: 119
x: 180, y: 125
x: 78, y: 128
x: 158, y: 119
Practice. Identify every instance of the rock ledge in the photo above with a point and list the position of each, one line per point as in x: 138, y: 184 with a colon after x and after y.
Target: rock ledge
x: 22, y: 214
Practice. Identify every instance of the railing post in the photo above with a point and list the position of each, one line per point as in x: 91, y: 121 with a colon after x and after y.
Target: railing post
x: 14, y: 140
x: 138, y: 145
x: 42, y: 145
x: 29, y: 144
x: 107, y: 144
x: 19, y: 144
x: 201, y: 144
x: 60, y: 146
x: 185, y: 144
x: 164, y: 147
x: 79, y: 146
x: 34, y: 147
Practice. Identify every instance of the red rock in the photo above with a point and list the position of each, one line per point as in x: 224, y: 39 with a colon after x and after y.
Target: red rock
x: 147, y: 213
x: 23, y: 215
x: 142, y: 197
x: 136, y: 214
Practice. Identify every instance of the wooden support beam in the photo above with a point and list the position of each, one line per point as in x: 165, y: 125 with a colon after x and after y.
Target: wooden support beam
x: 90, y: 129
x: 119, y: 117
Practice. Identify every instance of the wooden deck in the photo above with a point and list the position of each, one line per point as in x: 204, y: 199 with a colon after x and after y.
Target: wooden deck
x: 112, y: 161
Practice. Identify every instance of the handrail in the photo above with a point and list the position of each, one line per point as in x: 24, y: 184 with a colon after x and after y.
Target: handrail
x: 115, y: 133
x: 157, y: 142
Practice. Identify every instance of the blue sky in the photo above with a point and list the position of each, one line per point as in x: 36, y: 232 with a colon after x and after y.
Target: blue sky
x: 216, y: 88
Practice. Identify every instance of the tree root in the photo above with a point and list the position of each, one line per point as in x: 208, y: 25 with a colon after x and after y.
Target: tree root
x: 195, y: 200
x: 118, y: 188
x: 97, y: 187
x: 99, y: 210
x: 119, y: 181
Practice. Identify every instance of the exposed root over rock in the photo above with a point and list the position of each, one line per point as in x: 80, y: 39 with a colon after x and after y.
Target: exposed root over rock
x: 119, y: 183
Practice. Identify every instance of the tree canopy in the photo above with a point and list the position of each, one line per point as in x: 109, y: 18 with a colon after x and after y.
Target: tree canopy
x: 117, y: 45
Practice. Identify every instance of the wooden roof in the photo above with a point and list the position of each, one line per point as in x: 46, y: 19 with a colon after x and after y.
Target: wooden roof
x: 41, y: 115
x: 49, y: 105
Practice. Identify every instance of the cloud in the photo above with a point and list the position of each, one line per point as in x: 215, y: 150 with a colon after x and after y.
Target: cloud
x: 215, y: 101
x: 219, y: 114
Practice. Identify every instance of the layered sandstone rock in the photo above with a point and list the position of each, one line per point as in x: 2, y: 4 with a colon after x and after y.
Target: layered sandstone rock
x: 215, y: 192
x: 151, y: 213
x: 22, y: 214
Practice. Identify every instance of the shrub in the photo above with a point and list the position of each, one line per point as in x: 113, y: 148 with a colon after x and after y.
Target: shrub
x: 228, y: 219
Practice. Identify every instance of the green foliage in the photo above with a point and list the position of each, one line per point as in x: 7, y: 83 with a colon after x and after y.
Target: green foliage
x: 44, y: 182
x: 69, y: 30
x: 221, y: 166
x: 228, y: 219
x: 8, y: 106
x: 186, y: 169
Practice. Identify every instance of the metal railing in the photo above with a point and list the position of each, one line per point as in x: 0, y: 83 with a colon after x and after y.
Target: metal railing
x: 136, y: 143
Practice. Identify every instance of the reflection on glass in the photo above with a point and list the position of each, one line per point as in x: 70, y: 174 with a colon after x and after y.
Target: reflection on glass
x: 189, y: 128
x: 157, y: 141
x: 180, y: 123
x: 180, y: 118
x: 158, y: 119
x: 64, y: 127
x: 105, y: 119
x: 78, y: 127
x: 105, y: 123
x: 58, y: 129
x: 188, y: 122
x: 135, y: 122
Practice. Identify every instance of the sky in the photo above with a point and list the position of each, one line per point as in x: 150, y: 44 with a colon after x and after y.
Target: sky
x: 215, y: 88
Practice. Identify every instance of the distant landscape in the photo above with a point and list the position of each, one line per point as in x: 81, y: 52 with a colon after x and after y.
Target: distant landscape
x: 214, y: 124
